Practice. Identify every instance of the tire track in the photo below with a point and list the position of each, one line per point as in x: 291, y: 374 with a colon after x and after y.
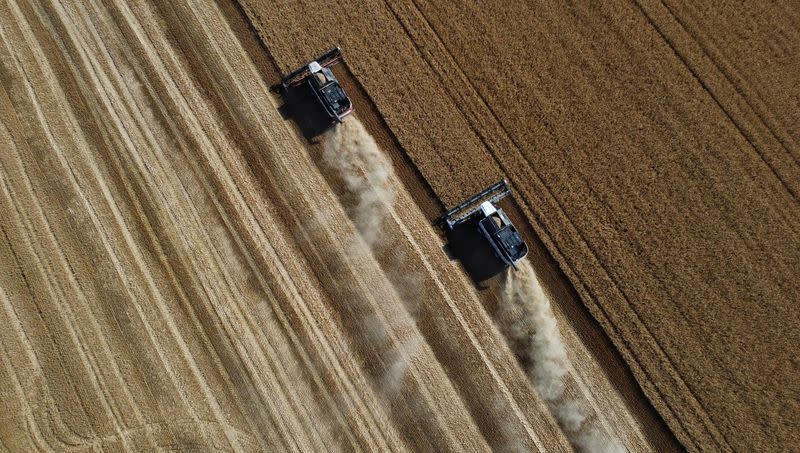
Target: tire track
x: 722, y: 62
x: 709, y: 78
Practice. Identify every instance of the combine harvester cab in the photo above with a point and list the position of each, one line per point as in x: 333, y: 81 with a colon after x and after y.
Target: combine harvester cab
x: 481, y: 235
x: 312, y: 95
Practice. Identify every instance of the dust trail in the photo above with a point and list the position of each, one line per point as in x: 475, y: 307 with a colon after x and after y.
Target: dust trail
x: 527, y: 320
x: 353, y: 153
x: 367, y: 174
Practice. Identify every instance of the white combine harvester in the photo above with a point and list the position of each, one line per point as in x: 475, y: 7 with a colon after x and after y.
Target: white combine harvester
x: 314, y: 87
x: 477, y: 226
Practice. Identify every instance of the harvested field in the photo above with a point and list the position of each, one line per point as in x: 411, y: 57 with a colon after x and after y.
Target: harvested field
x: 183, y: 271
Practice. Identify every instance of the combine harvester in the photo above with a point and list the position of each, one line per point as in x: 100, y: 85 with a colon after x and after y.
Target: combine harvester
x: 313, y: 96
x: 481, y: 235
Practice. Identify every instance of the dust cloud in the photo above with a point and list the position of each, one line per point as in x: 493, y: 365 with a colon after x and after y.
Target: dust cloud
x: 352, y: 153
x: 527, y: 320
x: 530, y: 324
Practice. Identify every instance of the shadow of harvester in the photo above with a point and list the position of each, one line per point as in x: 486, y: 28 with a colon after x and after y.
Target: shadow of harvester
x: 301, y: 106
x: 465, y: 244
